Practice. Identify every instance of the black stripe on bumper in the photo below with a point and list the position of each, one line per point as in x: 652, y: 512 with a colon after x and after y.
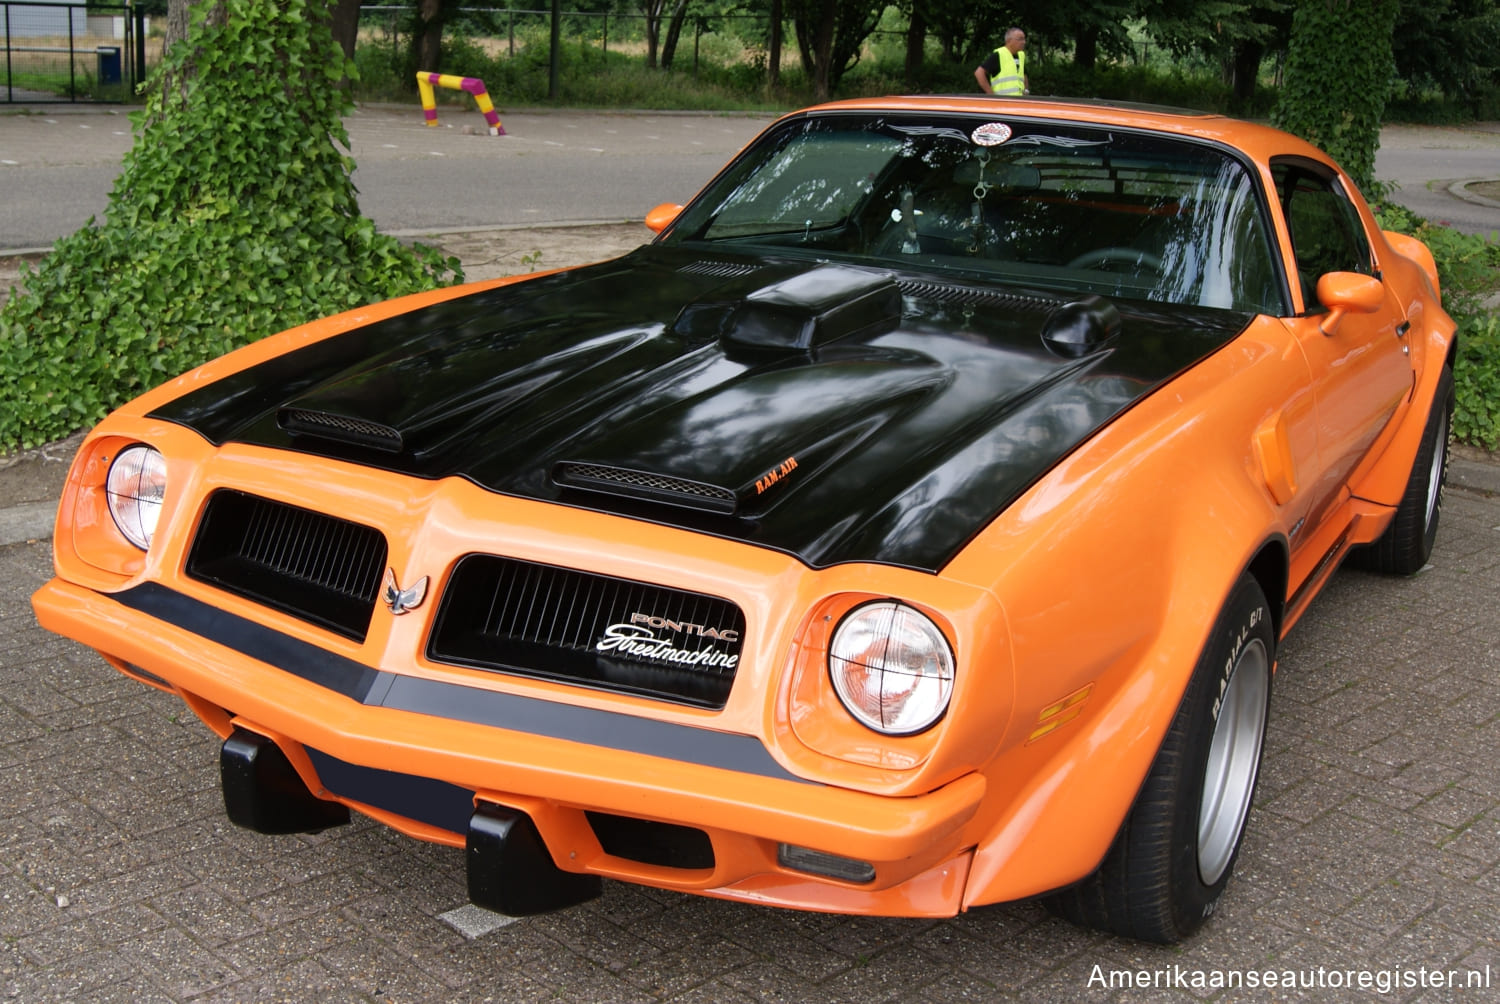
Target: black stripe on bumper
x: 375, y: 688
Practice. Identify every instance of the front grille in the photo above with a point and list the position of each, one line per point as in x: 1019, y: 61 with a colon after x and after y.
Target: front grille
x: 300, y: 421
x: 645, y: 485
x: 513, y: 616
x: 317, y: 568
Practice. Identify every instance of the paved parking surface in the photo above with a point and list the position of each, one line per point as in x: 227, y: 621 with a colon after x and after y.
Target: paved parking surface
x: 1374, y: 846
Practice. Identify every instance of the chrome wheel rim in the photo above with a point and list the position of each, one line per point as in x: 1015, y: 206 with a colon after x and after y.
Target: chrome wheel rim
x: 1435, y: 473
x: 1233, y: 760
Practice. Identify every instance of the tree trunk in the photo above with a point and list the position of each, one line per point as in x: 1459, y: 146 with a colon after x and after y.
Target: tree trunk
x: 773, y: 57
x: 1085, y: 47
x: 178, y: 15
x: 430, y: 35
x: 1244, y: 69
x: 916, y: 44
x: 674, y: 32
x: 345, y: 25
x: 652, y: 10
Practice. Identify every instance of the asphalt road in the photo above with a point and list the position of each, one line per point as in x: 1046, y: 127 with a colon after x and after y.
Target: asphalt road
x: 57, y: 167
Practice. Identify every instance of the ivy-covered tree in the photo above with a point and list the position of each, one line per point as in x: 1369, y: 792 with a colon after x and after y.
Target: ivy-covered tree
x: 1338, y: 77
x: 233, y: 217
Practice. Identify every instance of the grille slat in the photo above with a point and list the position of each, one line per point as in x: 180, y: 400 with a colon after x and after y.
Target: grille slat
x: 318, y: 568
x: 513, y: 616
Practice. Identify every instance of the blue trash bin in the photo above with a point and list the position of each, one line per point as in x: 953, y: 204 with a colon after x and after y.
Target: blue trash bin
x: 109, y: 64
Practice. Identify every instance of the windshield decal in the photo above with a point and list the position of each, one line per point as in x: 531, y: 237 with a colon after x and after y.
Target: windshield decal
x: 1069, y: 142
x: 947, y: 132
x: 992, y: 134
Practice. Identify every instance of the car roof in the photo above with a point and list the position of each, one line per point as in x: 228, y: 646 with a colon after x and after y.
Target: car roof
x: 1259, y: 142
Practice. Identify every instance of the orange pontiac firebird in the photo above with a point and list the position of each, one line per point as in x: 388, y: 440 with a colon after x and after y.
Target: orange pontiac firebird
x: 909, y: 527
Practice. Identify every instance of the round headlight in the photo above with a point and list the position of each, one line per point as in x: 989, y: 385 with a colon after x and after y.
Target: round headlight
x: 891, y: 667
x: 136, y: 485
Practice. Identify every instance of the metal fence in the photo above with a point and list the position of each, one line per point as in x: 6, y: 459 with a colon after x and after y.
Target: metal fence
x: 67, y: 52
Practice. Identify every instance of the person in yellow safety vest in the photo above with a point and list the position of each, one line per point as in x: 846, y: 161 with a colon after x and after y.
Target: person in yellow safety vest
x: 1004, y: 71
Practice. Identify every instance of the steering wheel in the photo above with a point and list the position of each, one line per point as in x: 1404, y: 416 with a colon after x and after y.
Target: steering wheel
x: 1131, y: 257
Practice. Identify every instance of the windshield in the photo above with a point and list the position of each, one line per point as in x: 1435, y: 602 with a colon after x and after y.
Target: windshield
x: 1043, y: 203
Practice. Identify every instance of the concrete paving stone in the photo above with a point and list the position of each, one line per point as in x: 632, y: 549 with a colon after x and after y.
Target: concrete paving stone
x: 297, y: 983
x: 715, y: 993
x: 995, y: 965
x: 105, y: 971
x: 899, y: 973
x: 316, y: 895
x: 178, y: 964
x: 263, y: 948
x: 214, y: 920
x: 672, y: 972
x: 1307, y: 801
x: 228, y: 869
x: 125, y: 923
x: 590, y: 938
x: 1479, y: 839
x: 573, y: 976
x: 771, y: 983
x: 376, y: 970
x: 514, y: 988
x: 861, y: 937
x: 804, y: 958
x: 1391, y: 905
x: 1455, y: 807
x: 140, y: 884
x: 381, y: 915
x: 1424, y: 942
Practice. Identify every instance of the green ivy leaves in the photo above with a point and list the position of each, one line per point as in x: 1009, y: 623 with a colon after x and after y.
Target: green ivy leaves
x: 233, y: 218
x: 1338, y: 76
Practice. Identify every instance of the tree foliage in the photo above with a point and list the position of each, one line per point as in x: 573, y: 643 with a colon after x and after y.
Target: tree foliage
x: 1338, y: 77
x: 233, y: 217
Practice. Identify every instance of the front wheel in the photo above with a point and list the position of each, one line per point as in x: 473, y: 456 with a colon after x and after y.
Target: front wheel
x: 1163, y: 875
x: 1406, y: 544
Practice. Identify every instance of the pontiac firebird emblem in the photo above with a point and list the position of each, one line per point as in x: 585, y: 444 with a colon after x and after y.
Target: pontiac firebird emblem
x: 401, y: 600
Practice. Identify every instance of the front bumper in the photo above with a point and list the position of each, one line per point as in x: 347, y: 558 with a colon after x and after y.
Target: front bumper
x: 556, y: 762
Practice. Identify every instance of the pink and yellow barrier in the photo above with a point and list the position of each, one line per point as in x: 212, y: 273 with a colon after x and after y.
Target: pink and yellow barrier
x: 475, y: 86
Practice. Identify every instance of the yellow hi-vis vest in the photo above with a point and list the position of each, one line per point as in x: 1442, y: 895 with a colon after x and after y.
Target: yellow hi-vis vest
x: 1012, y: 76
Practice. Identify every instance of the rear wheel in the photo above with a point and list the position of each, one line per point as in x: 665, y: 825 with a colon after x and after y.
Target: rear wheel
x: 1163, y: 876
x: 1406, y: 544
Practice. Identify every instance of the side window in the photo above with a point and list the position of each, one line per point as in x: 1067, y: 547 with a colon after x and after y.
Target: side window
x: 1327, y: 235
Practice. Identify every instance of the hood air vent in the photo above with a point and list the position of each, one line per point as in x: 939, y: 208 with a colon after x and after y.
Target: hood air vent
x: 645, y: 485
x: 719, y: 269
x: 941, y: 292
x: 340, y: 428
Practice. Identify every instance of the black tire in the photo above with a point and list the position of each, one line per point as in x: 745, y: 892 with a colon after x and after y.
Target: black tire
x: 1404, y: 547
x: 1173, y: 855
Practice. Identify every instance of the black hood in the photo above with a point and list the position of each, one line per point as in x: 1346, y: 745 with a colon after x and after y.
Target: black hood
x: 835, y: 413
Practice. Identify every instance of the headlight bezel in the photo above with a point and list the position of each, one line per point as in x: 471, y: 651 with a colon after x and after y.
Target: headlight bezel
x: 135, y: 498
x: 841, y: 669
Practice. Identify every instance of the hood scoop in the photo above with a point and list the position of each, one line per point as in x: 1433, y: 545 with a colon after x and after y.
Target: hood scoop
x: 820, y: 306
x: 645, y: 485
x: 339, y: 428
x: 1077, y: 329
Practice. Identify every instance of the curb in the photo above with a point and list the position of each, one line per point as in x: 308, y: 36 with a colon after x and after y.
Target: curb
x: 1460, y: 190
